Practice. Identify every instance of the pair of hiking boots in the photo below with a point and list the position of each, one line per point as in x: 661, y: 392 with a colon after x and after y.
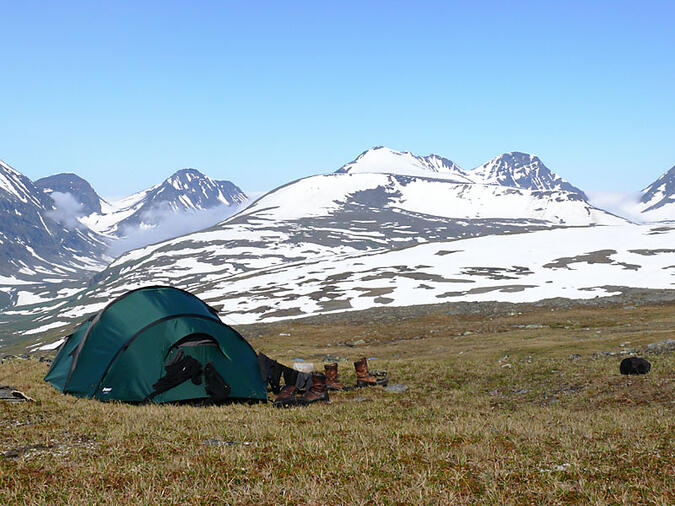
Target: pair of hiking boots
x: 291, y: 396
x: 323, y: 383
x: 364, y: 377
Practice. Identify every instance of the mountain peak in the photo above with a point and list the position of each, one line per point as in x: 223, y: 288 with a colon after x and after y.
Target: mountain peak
x: 186, y: 189
x: 17, y: 186
x: 189, y: 171
x: 185, y: 179
x: 5, y: 167
x: 519, y: 155
x: 79, y: 188
x: 522, y: 170
x: 209, y: 192
x: 383, y: 160
x: 659, y: 194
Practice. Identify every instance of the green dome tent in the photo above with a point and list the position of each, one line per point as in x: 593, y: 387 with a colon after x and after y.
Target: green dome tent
x: 157, y: 344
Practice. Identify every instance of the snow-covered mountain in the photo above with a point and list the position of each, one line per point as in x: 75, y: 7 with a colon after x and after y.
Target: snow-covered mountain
x: 300, y: 229
x: 382, y: 160
x: 34, y: 245
x: 657, y: 202
x: 342, y: 214
x: 515, y: 169
x: 185, y: 190
x: 73, y: 184
x: 57, y: 232
x: 521, y: 170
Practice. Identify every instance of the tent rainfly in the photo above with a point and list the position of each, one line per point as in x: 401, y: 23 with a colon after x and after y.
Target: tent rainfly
x: 157, y: 344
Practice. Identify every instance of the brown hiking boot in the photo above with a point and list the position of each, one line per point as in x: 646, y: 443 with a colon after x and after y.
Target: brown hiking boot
x: 363, y: 376
x: 332, y: 377
x: 319, y: 390
x: 287, y: 397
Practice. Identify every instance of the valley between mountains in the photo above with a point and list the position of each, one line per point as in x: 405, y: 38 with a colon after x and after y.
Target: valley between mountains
x: 387, y: 229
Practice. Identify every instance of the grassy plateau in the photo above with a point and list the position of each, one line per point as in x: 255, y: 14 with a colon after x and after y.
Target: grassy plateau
x: 517, y: 407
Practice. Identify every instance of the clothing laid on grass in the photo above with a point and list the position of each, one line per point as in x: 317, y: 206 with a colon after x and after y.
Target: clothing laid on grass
x: 272, y: 371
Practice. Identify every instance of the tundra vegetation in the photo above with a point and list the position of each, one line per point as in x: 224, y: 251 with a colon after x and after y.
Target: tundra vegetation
x: 521, y: 406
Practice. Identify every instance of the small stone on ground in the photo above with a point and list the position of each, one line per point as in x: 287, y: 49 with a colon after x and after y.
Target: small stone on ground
x: 398, y: 388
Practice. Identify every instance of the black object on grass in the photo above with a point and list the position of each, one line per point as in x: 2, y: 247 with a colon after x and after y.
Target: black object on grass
x: 634, y: 365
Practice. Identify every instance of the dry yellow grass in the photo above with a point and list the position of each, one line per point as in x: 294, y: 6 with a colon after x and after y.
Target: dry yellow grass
x: 543, y: 429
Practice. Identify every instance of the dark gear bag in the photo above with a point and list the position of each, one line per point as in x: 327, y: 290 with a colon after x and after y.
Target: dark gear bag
x: 215, y: 385
x: 179, y: 368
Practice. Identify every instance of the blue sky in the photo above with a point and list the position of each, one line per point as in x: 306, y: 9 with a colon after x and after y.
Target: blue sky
x: 125, y: 93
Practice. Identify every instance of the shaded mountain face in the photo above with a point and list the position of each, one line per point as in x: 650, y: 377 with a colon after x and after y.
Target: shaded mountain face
x: 185, y: 190
x: 48, y: 251
x: 16, y: 187
x: 80, y: 189
x: 190, y: 189
x: 521, y: 170
x: 659, y: 197
x: 32, y: 244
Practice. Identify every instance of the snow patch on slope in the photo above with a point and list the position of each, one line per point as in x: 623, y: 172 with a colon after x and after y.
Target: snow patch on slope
x: 570, y: 263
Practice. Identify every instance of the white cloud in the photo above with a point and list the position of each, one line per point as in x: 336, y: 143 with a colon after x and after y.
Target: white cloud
x: 624, y: 204
x: 66, y: 210
x: 162, y: 223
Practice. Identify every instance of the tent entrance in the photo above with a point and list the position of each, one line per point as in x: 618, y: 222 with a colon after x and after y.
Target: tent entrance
x: 198, y: 339
x: 199, y: 346
x: 196, y: 358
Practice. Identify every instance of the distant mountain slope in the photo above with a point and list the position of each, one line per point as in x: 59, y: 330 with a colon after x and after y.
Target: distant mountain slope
x: 571, y: 263
x: 76, y: 186
x: 522, y: 170
x: 15, y: 186
x: 336, y: 194
x: 319, y: 221
x: 330, y: 217
x: 185, y: 190
x: 48, y: 250
x: 658, y: 199
x: 32, y: 244
x: 342, y: 214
